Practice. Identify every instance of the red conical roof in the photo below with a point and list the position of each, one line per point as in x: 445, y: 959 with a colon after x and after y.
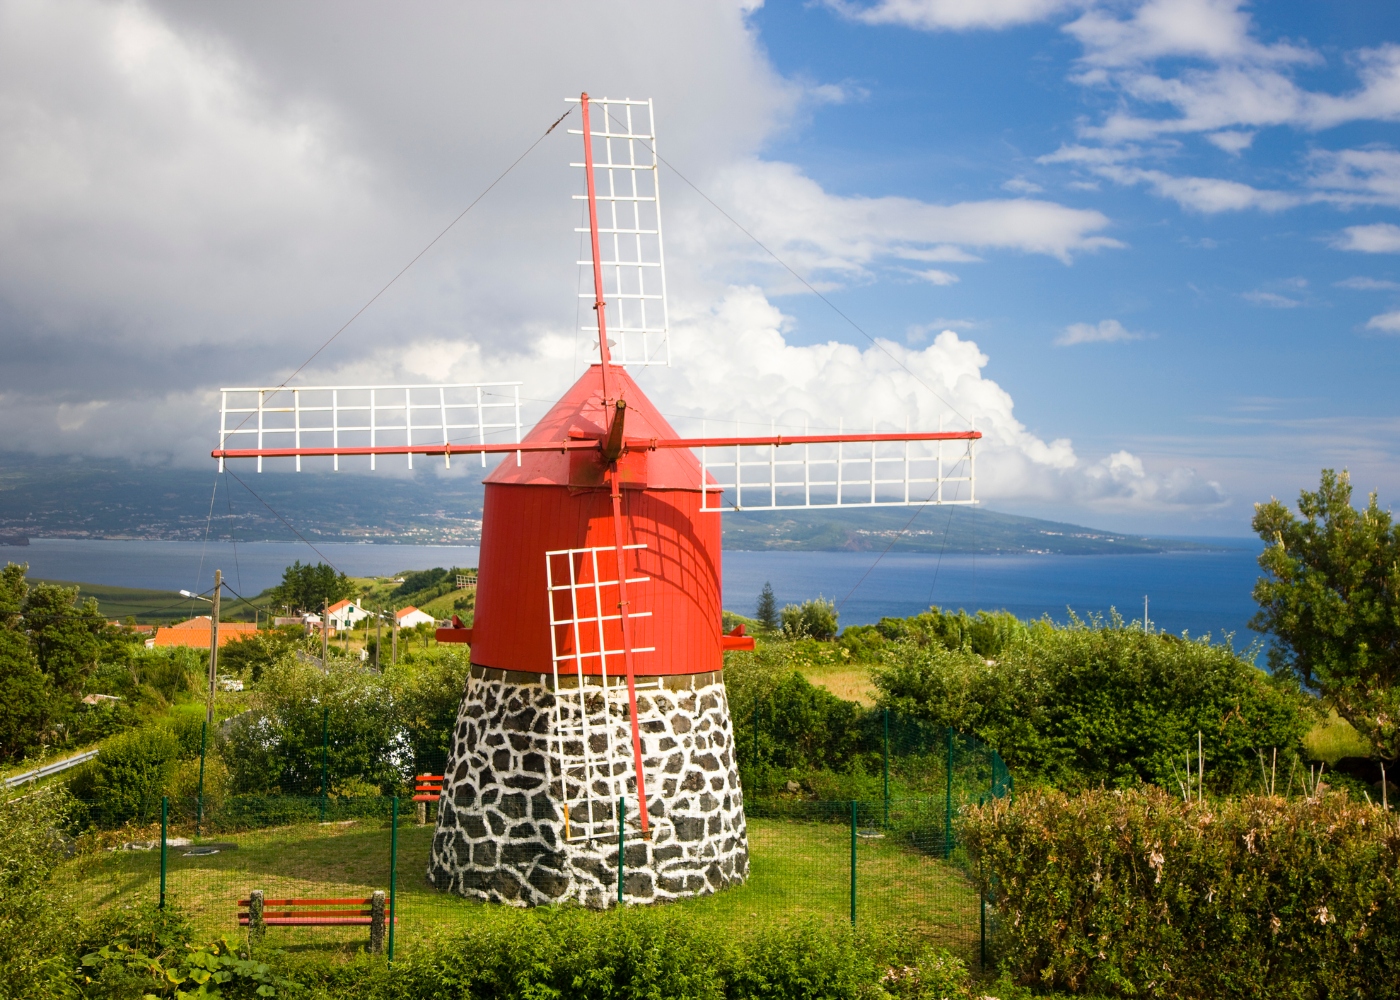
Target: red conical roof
x: 580, y: 413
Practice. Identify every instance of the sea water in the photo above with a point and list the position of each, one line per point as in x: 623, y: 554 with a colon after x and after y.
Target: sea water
x: 1196, y: 591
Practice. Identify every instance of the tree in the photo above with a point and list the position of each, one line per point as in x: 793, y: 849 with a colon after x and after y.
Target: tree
x: 811, y: 619
x: 767, y: 611
x: 308, y: 588
x: 1332, y: 600
x: 24, y: 694
x: 66, y: 636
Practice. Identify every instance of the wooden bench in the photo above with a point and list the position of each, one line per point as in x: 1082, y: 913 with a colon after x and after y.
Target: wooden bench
x: 258, y: 913
x: 426, y: 788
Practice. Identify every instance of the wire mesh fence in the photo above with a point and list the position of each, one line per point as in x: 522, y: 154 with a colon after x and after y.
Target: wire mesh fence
x: 310, y: 866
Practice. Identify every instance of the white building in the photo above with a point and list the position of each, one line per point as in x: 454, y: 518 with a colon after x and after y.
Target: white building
x: 411, y: 616
x: 344, y: 615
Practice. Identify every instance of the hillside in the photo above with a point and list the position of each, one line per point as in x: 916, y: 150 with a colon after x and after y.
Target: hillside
x: 71, y: 498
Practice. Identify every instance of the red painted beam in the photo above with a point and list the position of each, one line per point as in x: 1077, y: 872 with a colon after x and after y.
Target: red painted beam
x: 635, y: 444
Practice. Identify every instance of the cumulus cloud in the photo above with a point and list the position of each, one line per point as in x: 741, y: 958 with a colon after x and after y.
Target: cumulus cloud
x: 1271, y: 299
x: 844, y: 237
x: 198, y: 196
x: 1361, y: 284
x: 1108, y: 331
x: 1385, y: 323
x: 953, y: 15
x: 1207, y: 195
x: 1378, y: 237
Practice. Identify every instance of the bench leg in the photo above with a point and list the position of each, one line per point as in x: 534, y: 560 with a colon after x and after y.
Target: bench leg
x: 376, y: 922
x: 422, y: 809
x: 256, y: 926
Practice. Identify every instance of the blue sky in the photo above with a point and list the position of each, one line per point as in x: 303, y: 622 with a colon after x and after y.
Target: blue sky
x: 1252, y: 322
x: 1151, y: 248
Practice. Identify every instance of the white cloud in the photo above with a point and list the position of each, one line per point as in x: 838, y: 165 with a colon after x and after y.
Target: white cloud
x: 1108, y: 331
x: 1358, y: 176
x: 1213, y: 30
x: 1271, y: 299
x: 936, y: 277
x: 844, y: 236
x: 953, y: 15
x: 1360, y: 284
x: 1232, y: 142
x: 1019, y: 185
x: 1207, y: 195
x: 1378, y: 237
x: 1385, y: 323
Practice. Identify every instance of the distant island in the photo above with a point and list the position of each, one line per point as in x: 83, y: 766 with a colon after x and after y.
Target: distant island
x: 43, y: 497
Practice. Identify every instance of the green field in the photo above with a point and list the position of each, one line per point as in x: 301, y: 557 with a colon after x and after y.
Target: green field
x: 799, y: 870
x: 148, y: 607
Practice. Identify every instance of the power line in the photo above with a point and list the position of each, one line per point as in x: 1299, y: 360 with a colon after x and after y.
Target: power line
x: 807, y: 284
x: 283, y: 520
x: 431, y: 243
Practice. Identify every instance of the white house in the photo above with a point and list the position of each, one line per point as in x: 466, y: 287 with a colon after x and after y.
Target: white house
x: 411, y: 616
x: 344, y: 614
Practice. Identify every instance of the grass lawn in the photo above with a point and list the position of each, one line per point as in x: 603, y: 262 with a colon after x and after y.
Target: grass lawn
x: 798, y: 870
x: 1334, y: 738
x: 146, y: 606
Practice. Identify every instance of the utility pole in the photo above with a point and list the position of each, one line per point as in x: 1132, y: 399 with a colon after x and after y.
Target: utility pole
x: 378, y: 632
x: 1144, y: 613
x: 394, y: 640
x: 325, y: 635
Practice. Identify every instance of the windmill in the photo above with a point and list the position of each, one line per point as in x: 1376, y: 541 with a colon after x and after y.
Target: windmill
x: 595, y: 711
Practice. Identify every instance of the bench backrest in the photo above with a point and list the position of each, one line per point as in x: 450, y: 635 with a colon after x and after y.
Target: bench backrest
x: 353, y: 907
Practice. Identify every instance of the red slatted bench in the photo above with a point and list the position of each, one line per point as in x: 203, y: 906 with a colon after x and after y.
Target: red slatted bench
x: 310, y: 912
x: 426, y: 788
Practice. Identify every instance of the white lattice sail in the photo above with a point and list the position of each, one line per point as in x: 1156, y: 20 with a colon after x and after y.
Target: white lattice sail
x: 632, y: 261
x: 292, y: 418
x: 591, y: 734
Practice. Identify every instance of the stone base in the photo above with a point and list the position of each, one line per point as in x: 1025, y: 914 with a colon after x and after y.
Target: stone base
x: 501, y: 832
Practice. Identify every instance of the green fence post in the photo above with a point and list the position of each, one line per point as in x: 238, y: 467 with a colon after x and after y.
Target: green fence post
x: 887, y: 767
x: 164, y: 819
x: 621, y: 843
x: 199, y: 801
x: 325, y: 744
x: 393, y: 871
x: 948, y: 801
x: 854, y: 807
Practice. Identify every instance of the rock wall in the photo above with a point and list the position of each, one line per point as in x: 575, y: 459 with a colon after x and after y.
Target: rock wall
x: 501, y: 825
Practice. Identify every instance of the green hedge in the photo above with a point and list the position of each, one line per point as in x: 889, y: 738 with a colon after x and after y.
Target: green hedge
x: 1141, y: 894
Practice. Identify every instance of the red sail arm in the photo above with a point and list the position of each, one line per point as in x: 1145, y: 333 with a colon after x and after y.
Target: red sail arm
x: 588, y: 444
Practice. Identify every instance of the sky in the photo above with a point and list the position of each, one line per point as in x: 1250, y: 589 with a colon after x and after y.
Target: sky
x: 1150, y: 249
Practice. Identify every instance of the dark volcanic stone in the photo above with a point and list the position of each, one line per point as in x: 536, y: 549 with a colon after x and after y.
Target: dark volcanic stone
x: 634, y: 855
x: 474, y: 825
x: 638, y: 884
x: 541, y: 807
x: 500, y: 760
x: 533, y: 762
x: 513, y: 805
x: 694, y: 781
x: 551, y: 883
x: 689, y: 828
x: 498, y: 825
x: 484, y: 854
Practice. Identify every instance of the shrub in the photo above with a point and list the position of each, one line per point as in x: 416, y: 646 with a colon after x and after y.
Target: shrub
x: 35, y: 914
x: 1138, y: 892
x: 815, y: 619
x: 1091, y: 703
x: 133, y: 770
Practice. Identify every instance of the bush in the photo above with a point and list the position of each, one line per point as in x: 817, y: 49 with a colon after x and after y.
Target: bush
x: 131, y: 773
x: 36, y: 916
x: 1138, y: 892
x: 1087, y: 704
x: 813, y: 619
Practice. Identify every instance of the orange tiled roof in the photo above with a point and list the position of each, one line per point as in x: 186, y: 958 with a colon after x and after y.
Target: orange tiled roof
x: 195, y: 633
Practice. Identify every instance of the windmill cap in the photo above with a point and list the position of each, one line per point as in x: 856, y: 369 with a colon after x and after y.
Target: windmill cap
x: 581, y: 413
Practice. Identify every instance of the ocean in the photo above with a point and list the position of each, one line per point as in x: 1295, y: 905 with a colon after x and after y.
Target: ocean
x: 1197, y: 592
